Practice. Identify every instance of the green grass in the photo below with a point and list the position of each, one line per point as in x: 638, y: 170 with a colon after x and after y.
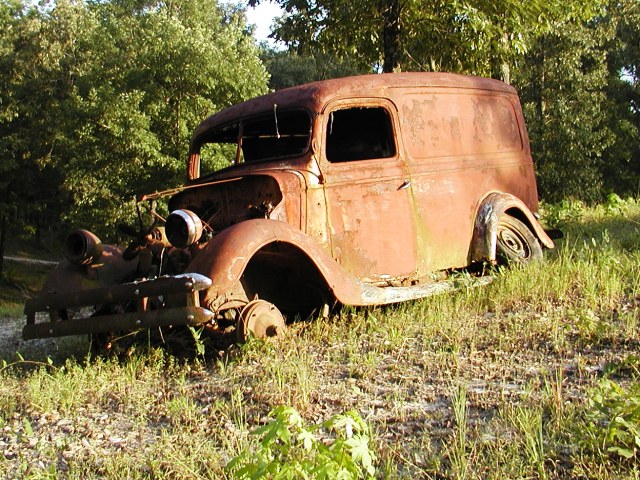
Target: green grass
x: 533, y: 376
x: 19, y: 282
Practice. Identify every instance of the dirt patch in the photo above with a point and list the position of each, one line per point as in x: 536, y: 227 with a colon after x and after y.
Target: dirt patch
x: 12, y: 345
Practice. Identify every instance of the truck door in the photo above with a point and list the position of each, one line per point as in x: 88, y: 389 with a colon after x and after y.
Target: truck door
x: 369, y: 208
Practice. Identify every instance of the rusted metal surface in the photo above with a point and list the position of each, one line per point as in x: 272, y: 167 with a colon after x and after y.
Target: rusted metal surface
x: 118, y: 293
x: 167, y: 317
x: 110, y: 269
x: 260, y: 319
x: 135, y: 293
x: 351, y: 191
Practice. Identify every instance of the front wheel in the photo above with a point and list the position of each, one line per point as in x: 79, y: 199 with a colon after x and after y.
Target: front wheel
x: 515, y: 242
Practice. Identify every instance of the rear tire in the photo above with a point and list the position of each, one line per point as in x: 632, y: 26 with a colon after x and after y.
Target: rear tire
x: 515, y: 242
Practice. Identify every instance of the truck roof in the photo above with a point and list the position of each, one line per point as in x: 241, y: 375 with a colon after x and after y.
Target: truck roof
x: 315, y: 95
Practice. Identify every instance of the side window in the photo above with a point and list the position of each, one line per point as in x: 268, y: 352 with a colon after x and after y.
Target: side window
x: 359, y: 134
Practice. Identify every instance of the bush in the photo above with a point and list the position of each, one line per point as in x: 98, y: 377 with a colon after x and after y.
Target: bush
x: 288, y: 449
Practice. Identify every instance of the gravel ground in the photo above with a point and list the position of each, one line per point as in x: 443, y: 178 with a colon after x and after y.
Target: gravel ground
x: 11, y: 343
x: 409, y: 393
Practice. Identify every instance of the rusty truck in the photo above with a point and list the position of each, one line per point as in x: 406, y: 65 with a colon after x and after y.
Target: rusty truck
x: 366, y: 190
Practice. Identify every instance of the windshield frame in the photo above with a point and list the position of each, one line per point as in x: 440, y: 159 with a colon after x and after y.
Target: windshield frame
x: 280, y: 117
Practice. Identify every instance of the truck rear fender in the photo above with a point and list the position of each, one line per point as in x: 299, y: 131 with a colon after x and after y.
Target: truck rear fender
x: 492, y: 207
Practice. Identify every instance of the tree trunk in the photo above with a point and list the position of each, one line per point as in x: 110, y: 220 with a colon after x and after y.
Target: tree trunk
x: 391, y: 35
x: 500, y: 69
x: 538, y: 83
x: 3, y: 230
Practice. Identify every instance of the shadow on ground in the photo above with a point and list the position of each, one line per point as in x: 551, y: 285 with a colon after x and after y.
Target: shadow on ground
x: 13, y: 347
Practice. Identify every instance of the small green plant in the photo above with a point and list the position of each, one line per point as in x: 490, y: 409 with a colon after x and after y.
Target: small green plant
x: 629, y: 366
x: 197, y: 340
x: 614, y: 205
x: 289, y: 449
x: 613, y: 420
x: 559, y: 214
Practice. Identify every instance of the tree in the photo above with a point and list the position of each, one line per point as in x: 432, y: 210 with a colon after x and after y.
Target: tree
x: 165, y: 67
x: 579, y: 110
x: 26, y: 184
x: 475, y: 36
x: 622, y: 158
x: 108, y: 93
x: 289, y: 69
x: 8, y: 13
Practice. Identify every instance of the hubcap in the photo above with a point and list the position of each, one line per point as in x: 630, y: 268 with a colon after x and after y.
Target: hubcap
x: 514, y: 242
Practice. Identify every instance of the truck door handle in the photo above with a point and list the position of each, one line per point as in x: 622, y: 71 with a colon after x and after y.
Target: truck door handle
x: 405, y: 184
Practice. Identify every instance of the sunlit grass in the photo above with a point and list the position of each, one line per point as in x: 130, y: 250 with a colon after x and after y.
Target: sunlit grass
x: 490, y: 382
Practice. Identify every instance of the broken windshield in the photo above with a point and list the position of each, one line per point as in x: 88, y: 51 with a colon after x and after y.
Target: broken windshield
x: 276, y: 134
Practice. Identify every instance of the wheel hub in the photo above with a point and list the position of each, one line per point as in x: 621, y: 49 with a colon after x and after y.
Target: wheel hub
x: 513, y: 242
x: 260, y: 319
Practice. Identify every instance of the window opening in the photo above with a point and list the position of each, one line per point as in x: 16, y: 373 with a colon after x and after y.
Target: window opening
x: 360, y: 133
x: 275, y: 134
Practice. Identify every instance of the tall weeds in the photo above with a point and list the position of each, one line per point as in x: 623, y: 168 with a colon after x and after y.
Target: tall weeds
x: 503, y: 381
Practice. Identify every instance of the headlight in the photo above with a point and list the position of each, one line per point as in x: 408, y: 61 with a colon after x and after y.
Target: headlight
x: 183, y: 228
x: 82, y: 248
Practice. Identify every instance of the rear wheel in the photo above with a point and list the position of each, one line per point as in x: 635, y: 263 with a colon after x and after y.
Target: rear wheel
x: 515, y: 242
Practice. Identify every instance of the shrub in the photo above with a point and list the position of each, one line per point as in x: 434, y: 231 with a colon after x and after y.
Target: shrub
x: 289, y: 449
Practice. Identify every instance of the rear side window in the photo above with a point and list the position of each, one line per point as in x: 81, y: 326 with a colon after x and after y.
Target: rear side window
x: 360, y: 133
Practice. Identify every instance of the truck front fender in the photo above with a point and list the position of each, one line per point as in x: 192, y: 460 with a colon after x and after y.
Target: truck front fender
x: 492, y: 207
x: 226, y: 257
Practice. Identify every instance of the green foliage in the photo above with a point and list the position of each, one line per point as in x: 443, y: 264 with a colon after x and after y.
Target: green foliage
x: 473, y: 35
x: 613, y: 420
x: 580, y: 106
x: 562, y: 86
x: 289, y: 449
x: 198, y: 341
x: 622, y: 172
x: 102, y: 97
x: 558, y: 215
x: 614, y: 205
x: 287, y: 69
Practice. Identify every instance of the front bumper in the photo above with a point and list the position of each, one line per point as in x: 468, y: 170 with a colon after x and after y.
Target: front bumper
x: 135, y: 293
